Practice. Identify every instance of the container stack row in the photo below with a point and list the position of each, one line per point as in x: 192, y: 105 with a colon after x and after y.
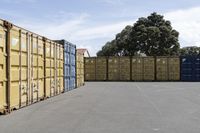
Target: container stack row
x: 32, y: 67
x: 142, y: 68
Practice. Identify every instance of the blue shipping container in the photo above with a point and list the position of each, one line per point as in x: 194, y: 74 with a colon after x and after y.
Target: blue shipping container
x: 70, y: 65
x: 190, y: 68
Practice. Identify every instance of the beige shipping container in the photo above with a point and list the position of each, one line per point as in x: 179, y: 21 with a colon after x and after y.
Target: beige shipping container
x: 114, y: 68
x: 59, y: 69
x: 125, y: 68
x: 162, y: 68
x: 21, y: 66
x: 3, y: 102
x: 174, y: 68
x: 79, y: 69
x: 101, y: 68
x: 137, y: 68
x: 31, y: 67
x: 149, y: 68
x: 90, y: 68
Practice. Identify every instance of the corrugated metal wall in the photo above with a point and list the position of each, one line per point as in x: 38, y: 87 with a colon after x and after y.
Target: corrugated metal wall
x: 69, y: 65
x: 113, y: 68
x: 72, y: 67
x: 149, y: 68
x: 190, y: 68
x: 90, y: 69
x: 79, y: 69
x: 137, y: 68
x: 3, y: 103
x: 125, y: 68
x: 101, y: 68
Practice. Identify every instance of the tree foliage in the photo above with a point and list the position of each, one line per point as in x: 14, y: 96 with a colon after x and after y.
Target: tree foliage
x: 150, y: 36
x: 193, y: 50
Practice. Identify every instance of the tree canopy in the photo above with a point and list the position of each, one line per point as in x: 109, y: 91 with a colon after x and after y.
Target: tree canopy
x: 150, y: 36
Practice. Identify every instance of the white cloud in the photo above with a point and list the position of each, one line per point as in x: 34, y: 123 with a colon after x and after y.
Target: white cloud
x: 80, y: 29
x: 187, y: 23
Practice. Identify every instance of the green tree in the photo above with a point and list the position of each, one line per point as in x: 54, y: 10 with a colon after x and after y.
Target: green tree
x: 150, y: 36
x: 193, y: 50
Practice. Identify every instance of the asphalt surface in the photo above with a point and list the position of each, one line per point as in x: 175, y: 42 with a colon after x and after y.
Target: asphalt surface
x: 114, y: 107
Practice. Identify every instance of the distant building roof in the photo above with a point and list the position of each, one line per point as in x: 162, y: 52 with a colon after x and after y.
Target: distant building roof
x: 83, y: 51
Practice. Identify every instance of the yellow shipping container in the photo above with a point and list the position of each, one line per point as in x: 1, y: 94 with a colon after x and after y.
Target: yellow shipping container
x: 149, y: 68
x: 23, y: 67
x: 3, y: 102
x: 162, y: 68
x: 137, y: 68
x: 90, y: 68
x: 125, y: 68
x: 113, y: 69
x: 79, y: 69
x: 30, y: 69
x: 101, y: 68
x: 174, y: 68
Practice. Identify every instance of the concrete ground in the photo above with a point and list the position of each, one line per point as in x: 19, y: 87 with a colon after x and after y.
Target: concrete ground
x: 115, y: 107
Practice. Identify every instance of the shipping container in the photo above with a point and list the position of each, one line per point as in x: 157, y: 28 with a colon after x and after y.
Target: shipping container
x: 174, y: 68
x: 22, y: 67
x: 3, y: 70
x: 69, y: 61
x: 31, y: 67
x: 114, y: 68
x: 137, y: 64
x: 149, y: 68
x: 101, y: 69
x: 90, y: 68
x: 190, y: 68
x: 197, y: 68
x: 162, y: 68
x: 125, y: 68
x: 79, y: 69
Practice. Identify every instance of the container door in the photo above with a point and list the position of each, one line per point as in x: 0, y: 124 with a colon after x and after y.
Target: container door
x: 34, y: 69
x: 53, y: 67
x: 197, y: 69
x: 187, y: 68
x: 48, y: 68
x: 2, y: 70
x: 14, y: 67
x: 137, y: 69
x: 24, y: 70
x: 40, y: 69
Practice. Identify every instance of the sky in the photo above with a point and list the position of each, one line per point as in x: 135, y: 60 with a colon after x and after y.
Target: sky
x: 91, y: 23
